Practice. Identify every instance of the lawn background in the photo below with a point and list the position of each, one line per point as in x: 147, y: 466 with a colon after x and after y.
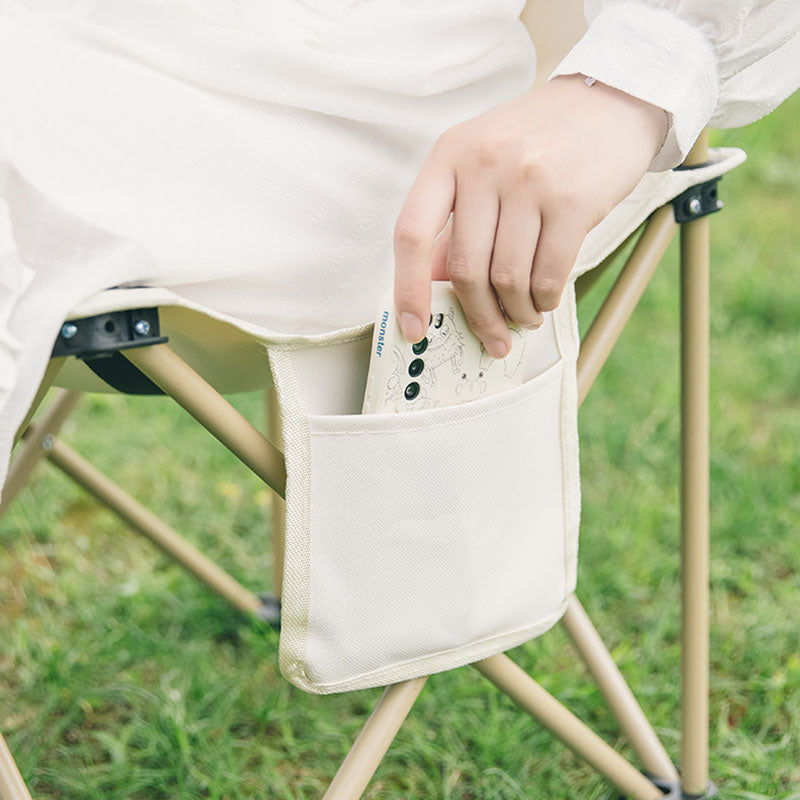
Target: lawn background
x: 121, y: 677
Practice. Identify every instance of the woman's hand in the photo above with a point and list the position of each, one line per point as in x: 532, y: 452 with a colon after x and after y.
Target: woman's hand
x: 525, y: 181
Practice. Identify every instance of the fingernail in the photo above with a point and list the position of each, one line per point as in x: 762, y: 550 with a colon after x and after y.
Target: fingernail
x: 411, y: 325
x: 497, y: 348
x: 533, y: 326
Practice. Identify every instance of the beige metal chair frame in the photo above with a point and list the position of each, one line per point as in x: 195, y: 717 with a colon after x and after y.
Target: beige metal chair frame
x: 178, y: 380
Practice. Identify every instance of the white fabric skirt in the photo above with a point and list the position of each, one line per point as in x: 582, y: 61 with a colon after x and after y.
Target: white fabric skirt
x: 250, y: 156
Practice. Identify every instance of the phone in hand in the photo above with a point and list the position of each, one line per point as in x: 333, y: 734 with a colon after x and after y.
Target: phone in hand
x: 448, y: 366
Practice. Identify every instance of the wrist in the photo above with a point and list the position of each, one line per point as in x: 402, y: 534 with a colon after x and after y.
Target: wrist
x: 648, y: 121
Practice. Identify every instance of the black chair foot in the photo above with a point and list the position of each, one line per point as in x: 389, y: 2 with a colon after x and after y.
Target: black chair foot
x: 270, y: 610
x: 674, y: 791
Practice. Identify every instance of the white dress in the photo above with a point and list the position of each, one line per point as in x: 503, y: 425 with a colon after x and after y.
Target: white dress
x: 252, y: 155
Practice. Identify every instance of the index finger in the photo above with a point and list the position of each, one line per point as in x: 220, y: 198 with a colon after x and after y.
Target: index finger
x: 424, y: 214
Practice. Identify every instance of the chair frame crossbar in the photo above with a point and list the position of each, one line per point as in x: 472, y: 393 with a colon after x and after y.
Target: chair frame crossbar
x: 263, y: 456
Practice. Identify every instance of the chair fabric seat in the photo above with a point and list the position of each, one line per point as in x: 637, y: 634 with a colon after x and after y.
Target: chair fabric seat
x: 208, y: 339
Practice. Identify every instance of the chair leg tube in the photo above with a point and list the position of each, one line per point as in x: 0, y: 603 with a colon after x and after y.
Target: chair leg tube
x: 617, y: 693
x: 695, y: 294
x: 585, y: 282
x: 147, y: 523
x: 50, y: 373
x: 623, y: 297
x: 12, y: 787
x: 595, y: 349
x: 177, y: 379
x: 278, y: 503
x: 526, y: 692
x: 30, y: 451
x: 374, y: 739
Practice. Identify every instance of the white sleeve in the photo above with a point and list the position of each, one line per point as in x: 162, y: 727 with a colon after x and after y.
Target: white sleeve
x: 704, y: 61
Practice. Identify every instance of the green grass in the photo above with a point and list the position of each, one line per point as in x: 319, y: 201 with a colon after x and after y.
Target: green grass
x: 121, y: 677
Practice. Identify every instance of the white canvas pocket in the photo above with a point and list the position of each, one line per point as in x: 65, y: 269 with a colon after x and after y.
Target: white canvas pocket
x: 422, y: 541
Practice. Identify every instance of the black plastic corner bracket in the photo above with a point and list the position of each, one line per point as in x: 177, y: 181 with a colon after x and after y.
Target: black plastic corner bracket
x: 104, y: 334
x: 98, y: 340
x: 697, y: 201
